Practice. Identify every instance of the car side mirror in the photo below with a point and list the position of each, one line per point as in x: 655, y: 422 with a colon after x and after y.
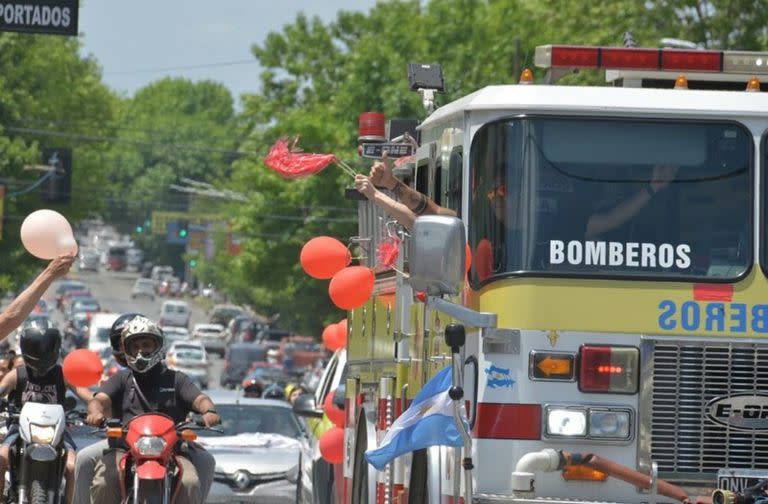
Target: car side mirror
x: 305, y: 406
x: 437, y: 255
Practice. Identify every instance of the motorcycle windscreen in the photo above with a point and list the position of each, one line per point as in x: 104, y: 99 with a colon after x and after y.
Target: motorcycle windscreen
x: 150, y: 470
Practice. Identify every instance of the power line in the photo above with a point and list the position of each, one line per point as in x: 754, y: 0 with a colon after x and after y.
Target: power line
x: 185, y: 67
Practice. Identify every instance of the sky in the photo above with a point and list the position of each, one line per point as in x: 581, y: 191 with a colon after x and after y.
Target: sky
x: 139, y: 41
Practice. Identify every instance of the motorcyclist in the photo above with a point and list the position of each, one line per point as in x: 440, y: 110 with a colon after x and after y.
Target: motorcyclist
x: 40, y: 380
x: 274, y: 391
x: 149, y: 386
x: 88, y: 456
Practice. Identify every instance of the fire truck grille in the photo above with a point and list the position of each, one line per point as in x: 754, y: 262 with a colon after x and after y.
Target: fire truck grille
x: 683, y: 441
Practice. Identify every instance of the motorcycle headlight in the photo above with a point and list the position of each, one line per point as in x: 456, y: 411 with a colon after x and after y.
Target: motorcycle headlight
x: 151, y: 446
x: 42, y: 434
x: 566, y: 422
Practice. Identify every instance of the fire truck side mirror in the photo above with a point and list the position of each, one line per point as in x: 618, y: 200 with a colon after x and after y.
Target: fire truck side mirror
x: 437, y: 250
x: 305, y: 406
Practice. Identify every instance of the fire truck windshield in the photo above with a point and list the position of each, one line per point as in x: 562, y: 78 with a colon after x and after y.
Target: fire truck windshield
x: 611, y: 198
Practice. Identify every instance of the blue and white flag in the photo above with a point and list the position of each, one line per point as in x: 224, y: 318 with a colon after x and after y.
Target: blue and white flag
x: 428, y: 421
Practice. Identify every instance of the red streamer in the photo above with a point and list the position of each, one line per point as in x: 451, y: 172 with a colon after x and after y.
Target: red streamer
x: 291, y: 163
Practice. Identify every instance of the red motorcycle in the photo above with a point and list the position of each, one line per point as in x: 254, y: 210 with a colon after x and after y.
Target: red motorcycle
x: 150, y: 472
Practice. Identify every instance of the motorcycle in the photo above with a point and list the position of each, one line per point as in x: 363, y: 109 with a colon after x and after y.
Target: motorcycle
x: 38, y: 458
x: 150, y: 472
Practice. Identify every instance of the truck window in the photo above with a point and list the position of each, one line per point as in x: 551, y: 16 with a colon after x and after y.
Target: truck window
x: 610, y: 197
x: 452, y: 193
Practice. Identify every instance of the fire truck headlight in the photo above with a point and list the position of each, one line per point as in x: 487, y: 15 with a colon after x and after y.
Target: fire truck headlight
x: 613, y: 424
x: 566, y: 422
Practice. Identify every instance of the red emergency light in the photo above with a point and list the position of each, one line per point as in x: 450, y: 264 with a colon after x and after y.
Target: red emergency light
x: 628, y: 58
x: 612, y: 369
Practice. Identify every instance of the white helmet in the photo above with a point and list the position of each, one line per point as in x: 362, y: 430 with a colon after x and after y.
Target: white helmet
x: 142, y: 327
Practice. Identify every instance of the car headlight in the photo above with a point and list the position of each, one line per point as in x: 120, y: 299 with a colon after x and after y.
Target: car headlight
x: 151, y: 446
x: 566, y: 422
x: 42, y: 434
x: 612, y: 424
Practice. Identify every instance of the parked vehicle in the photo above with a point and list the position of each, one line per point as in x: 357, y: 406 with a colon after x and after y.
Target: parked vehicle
x: 190, y: 358
x: 133, y: 259
x: 319, y: 478
x: 98, y: 331
x: 38, y: 457
x: 258, y: 453
x: 223, y: 313
x: 212, y: 336
x: 143, y: 287
x: 88, y: 260
x: 174, y: 313
x: 238, y: 360
x: 116, y: 257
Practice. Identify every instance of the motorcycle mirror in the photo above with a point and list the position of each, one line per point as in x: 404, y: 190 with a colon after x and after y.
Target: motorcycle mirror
x: 70, y: 403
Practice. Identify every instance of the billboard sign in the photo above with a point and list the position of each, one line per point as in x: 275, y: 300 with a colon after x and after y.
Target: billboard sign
x: 52, y: 17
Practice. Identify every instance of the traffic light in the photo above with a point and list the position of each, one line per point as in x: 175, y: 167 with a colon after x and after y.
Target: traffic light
x: 192, y: 263
x: 56, y: 188
x: 139, y: 229
x: 183, y: 229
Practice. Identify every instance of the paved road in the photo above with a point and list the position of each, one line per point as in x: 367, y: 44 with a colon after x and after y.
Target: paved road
x: 113, y: 290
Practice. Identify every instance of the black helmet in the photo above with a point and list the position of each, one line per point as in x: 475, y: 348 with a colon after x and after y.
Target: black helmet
x: 274, y: 391
x: 116, y: 332
x: 143, y: 327
x: 40, y: 348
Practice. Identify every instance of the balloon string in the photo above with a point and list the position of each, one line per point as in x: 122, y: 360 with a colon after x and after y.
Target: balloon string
x: 344, y: 166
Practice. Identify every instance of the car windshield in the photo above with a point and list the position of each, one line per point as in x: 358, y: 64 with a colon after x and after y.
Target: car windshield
x: 226, y: 312
x: 604, y: 197
x: 188, y: 353
x: 175, y: 308
x: 267, y: 374
x: 246, y: 418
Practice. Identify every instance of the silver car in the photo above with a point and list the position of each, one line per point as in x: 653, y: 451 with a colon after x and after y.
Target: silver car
x: 258, y: 457
x: 190, y: 358
x: 212, y: 336
x: 88, y: 260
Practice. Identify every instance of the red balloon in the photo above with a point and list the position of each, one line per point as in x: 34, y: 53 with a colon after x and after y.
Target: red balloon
x: 484, y: 259
x: 341, y: 333
x: 468, y: 263
x: 82, y: 368
x: 332, y: 445
x: 334, y: 413
x: 323, y: 256
x: 330, y: 337
x: 351, y: 287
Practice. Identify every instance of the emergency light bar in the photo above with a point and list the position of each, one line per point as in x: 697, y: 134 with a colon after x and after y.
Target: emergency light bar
x: 631, y: 58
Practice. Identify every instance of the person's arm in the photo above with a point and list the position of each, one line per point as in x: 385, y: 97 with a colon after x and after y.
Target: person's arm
x: 618, y: 215
x: 83, y: 393
x: 203, y: 405
x: 8, y: 383
x: 99, y: 408
x: 399, y: 211
x: 198, y: 402
x: 381, y: 175
x: 598, y: 224
x: 25, y: 302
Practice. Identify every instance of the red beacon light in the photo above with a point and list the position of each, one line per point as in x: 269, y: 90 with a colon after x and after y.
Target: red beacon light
x: 609, y: 369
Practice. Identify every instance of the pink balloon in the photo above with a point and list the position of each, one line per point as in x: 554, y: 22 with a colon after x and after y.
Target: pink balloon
x: 46, y: 234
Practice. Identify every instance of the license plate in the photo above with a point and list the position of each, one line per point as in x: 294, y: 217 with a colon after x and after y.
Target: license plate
x: 737, y: 480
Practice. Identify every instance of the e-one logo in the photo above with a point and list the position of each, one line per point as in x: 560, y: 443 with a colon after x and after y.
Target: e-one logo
x: 740, y: 411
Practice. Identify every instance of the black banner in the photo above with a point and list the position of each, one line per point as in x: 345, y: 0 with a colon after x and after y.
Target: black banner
x: 52, y: 17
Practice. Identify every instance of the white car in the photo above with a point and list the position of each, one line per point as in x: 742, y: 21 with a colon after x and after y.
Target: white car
x: 190, y: 358
x: 98, y: 331
x: 144, y: 287
x: 212, y: 336
x: 174, y: 313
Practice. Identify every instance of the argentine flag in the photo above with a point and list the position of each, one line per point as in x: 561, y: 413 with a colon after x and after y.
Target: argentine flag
x: 428, y: 421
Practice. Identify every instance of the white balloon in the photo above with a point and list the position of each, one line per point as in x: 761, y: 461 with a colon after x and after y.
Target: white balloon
x: 47, y: 234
